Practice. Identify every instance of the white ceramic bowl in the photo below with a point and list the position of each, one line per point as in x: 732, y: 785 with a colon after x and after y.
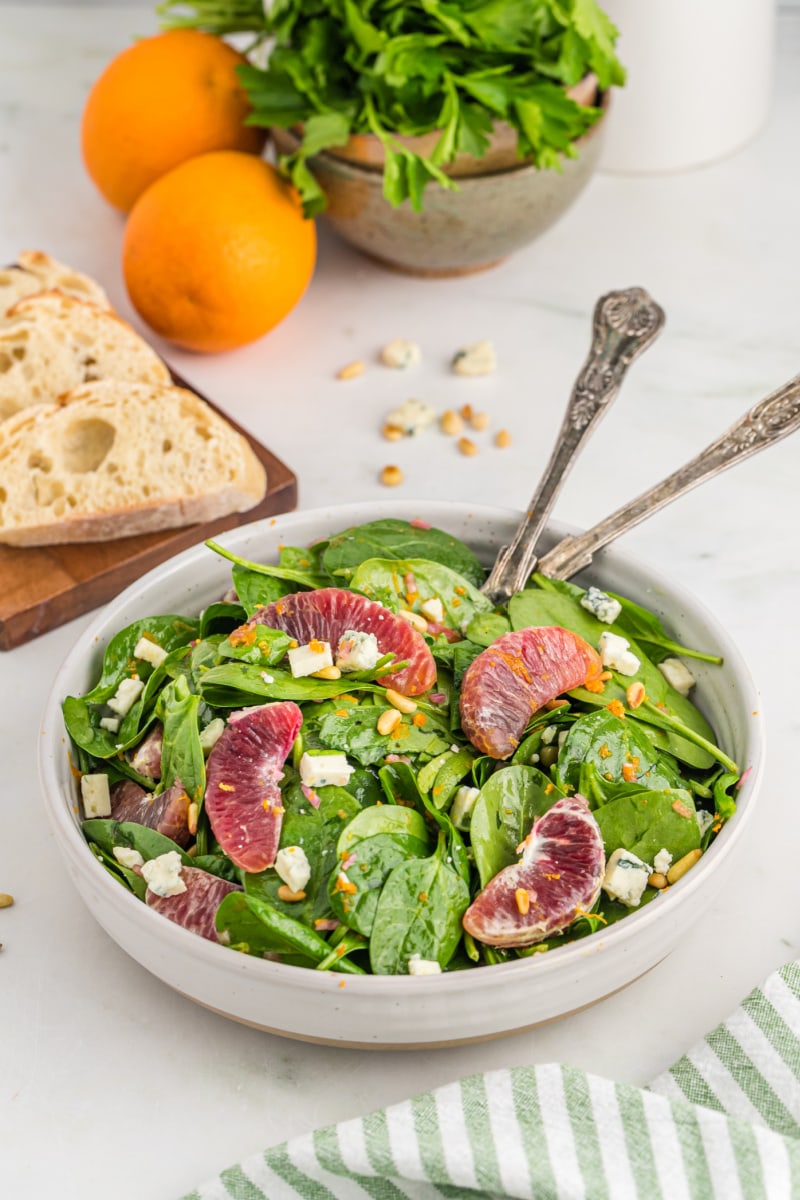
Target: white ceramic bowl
x: 398, y: 1011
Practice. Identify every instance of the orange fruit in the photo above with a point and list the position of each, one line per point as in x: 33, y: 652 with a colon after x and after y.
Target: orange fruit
x: 217, y: 251
x: 161, y: 101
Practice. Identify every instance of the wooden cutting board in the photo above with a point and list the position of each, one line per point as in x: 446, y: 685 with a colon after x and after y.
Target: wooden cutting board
x: 41, y: 587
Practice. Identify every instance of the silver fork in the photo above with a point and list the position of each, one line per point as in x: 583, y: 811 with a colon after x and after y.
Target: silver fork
x: 625, y: 323
x: 767, y: 422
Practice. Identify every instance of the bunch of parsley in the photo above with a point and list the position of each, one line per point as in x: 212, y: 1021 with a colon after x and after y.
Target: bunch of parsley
x: 388, y: 67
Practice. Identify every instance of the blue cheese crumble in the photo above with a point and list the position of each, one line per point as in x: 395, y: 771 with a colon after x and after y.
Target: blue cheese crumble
x: 602, y: 606
x: 625, y: 878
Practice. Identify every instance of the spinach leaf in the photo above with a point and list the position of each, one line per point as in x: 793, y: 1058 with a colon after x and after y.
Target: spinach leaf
x: 392, y: 819
x: 118, y: 660
x: 403, y: 583
x: 395, y: 539
x: 617, y: 748
x: 259, y: 645
x: 235, y: 685
x: 317, y: 831
x: 645, y: 822
x: 220, y: 618
x: 108, y: 833
x: 354, y: 887
x: 451, y: 772
x: 182, y: 756
x: 355, y: 731
x: 255, y: 590
x: 254, y: 926
x: 509, y: 803
x: 401, y: 787
x: 419, y: 912
x: 486, y: 628
x: 297, y: 575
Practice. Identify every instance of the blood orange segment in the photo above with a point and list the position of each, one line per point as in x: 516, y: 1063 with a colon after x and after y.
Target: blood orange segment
x: 196, y: 908
x: 243, y: 799
x: 327, y: 613
x: 557, y: 879
x: 167, y: 813
x: 505, y: 685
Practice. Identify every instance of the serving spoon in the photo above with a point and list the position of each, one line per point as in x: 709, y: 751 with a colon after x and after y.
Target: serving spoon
x: 624, y: 324
x: 767, y: 422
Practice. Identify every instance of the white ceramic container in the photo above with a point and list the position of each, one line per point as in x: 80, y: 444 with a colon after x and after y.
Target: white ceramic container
x: 699, y: 81
x: 398, y: 1012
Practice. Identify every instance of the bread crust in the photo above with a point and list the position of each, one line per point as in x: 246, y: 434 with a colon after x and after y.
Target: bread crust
x: 37, y: 445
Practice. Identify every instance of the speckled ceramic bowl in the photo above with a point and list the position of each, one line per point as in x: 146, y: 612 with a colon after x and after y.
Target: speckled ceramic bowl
x: 399, y: 1011
x: 500, y: 206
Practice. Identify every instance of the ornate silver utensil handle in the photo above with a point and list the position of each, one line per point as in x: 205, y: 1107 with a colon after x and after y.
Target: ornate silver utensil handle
x: 625, y: 323
x: 767, y: 422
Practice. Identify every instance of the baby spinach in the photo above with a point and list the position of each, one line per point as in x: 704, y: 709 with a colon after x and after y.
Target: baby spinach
x: 118, y: 659
x: 616, y: 747
x: 182, y: 756
x: 419, y: 912
x: 256, y: 927
x: 220, y: 618
x: 108, y: 833
x: 263, y: 647
x: 392, y: 819
x: 233, y: 685
x: 451, y: 772
x: 400, y: 583
x: 486, y: 628
x: 634, y: 621
x: 255, y: 590
x: 297, y: 575
x: 316, y: 831
x: 357, y: 734
x: 508, y: 804
x: 354, y: 892
x: 645, y: 822
x: 395, y: 539
x: 400, y: 786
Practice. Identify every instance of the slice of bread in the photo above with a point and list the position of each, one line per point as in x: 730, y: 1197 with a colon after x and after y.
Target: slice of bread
x: 52, y: 343
x: 113, y: 459
x: 36, y: 271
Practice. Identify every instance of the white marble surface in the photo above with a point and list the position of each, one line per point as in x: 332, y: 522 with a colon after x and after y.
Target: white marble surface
x: 109, y: 1082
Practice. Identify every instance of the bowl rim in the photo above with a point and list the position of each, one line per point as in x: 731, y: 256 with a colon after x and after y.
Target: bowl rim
x: 52, y: 741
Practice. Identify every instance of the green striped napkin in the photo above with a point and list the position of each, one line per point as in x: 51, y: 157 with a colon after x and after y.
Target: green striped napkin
x: 723, y: 1122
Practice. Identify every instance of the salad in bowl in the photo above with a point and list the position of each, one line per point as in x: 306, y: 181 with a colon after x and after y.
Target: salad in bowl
x: 349, y: 763
x: 405, y: 952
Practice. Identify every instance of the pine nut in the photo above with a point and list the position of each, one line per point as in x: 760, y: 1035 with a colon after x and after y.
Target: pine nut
x: 523, y: 900
x: 679, y: 868
x: 391, y: 476
x: 467, y: 447
x: 414, y: 620
x: 657, y: 880
x: 392, y: 433
x: 479, y: 420
x: 635, y: 694
x: 286, y: 893
x: 192, y: 814
x: 5, y: 900
x: 327, y: 673
x: 403, y: 704
x: 352, y: 370
x: 388, y: 721
x: 466, y: 411
x: 502, y: 438
x: 451, y: 423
